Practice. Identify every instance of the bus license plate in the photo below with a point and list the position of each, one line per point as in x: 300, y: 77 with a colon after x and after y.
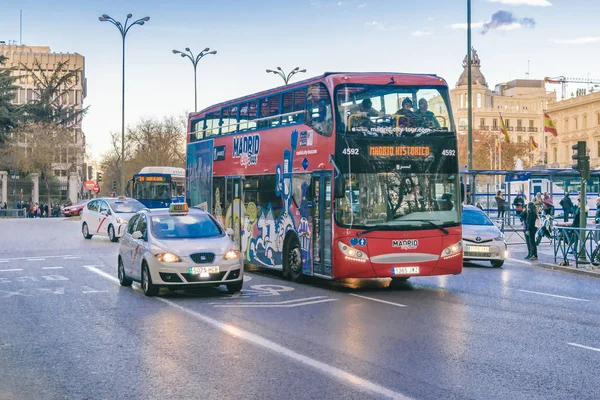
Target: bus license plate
x: 478, y: 249
x: 204, y: 271
x: 405, y: 270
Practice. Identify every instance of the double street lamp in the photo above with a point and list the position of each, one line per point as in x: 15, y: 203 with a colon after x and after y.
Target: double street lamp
x: 194, y: 59
x: 286, y: 78
x: 123, y: 29
x: 14, y: 175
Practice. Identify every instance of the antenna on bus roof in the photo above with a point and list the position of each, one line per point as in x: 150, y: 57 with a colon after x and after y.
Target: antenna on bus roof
x: 392, y: 81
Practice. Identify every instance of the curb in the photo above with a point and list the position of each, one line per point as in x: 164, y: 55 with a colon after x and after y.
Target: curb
x: 555, y: 267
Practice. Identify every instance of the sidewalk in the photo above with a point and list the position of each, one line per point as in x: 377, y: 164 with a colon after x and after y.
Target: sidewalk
x: 517, y: 253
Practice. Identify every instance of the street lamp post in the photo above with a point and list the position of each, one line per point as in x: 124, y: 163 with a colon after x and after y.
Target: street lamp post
x: 14, y: 174
x: 286, y: 78
x: 194, y: 60
x: 123, y: 29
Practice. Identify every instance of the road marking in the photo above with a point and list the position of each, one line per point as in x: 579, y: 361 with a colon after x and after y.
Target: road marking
x: 52, y: 267
x: 552, y: 295
x: 53, y: 291
x: 3, y: 261
x: 11, y: 270
x: 18, y: 293
x: 378, y: 300
x: 584, y: 347
x: 31, y: 258
x: 87, y: 289
x: 281, y: 304
x: 327, y: 369
x: 71, y: 257
x: 519, y: 261
x: 36, y: 259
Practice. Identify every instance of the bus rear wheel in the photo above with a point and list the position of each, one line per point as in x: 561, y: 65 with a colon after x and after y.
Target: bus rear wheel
x: 292, y: 260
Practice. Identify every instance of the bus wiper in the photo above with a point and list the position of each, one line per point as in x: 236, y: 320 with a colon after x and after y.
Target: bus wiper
x: 441, y: 228
x: 380, y: 228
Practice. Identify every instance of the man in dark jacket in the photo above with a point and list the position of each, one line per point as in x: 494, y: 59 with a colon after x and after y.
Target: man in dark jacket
x: 519, y: 203
x: 567, y: 206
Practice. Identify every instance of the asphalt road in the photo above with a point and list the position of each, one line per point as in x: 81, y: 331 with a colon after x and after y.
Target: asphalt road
x: 69, y: 331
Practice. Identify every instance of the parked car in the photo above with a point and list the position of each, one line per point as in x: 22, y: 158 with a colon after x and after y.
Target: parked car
x: 482, y: 240
x: 74, y: 210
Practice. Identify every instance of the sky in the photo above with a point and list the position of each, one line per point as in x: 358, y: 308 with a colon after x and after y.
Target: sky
x: 556, y: 37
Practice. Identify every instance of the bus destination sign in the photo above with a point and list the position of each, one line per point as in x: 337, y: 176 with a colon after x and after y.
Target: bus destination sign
x: 399, y: 151
x: 151, y: 179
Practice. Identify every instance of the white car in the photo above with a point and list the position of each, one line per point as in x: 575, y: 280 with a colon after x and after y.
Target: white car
x: 482, y: 240
x: 178, y: 248
x: 108, y: 217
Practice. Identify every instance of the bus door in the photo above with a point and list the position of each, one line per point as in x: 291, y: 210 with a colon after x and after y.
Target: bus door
x: 322, y: 220
x: 233, y: 205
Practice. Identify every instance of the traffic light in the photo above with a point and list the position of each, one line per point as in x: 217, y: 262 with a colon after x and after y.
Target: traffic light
x: 582, y: 160
x: 98, y: 177
x: 114, y: 186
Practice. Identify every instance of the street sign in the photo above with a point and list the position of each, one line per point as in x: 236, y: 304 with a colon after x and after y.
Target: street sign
x: 96, y: 188
x: 89, y: 184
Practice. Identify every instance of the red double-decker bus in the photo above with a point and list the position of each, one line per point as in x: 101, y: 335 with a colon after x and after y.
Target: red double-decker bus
x: 338, y: 176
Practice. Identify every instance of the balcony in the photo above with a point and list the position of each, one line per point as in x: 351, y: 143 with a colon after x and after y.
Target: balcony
x: 495, y: 128
x: 532, y: 129
x: 521, y: 129
x: 483, y: 127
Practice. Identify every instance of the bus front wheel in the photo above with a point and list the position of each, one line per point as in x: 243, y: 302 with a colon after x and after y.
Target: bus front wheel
x: 292, y: 260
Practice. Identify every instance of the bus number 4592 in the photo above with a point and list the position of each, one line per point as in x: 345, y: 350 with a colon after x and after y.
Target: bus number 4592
x: 449, y: 153
x: 349, y: 151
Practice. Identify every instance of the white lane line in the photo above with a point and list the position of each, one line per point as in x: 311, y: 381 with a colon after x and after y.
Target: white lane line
x: 337, y: 373
x: 11, y: 270
x: 27, y: 258
x: 584, y: 347
x: 52, y: 267
x: 519, y: 261
x: 279, y: 302
x: 36, y: 259
x: 378, y: 300
x: 3, y: 261
x: 552, y: 295
x: 71, y: 257
x: 255, y: 305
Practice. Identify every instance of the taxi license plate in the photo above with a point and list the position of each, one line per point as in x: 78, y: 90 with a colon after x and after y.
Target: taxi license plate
x: 478, y: 249
x: 204, y: 271
x: 405, y: 270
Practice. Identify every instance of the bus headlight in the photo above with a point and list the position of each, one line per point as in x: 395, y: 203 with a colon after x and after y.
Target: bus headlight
x: 452, y: 250
x: 232, y: 255
x: 168, y: 258
x: 352, y: 253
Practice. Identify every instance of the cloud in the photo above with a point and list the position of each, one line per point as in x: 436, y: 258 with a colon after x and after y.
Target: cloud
x: 430, y: 18
x: 580, y: 40
x: 505, y: 20
x: 363, y: 5
x: 538, y: 3
x: 380, y: 26
x: 419, y: 33
x: 320, y: 4
x: 461, y: 25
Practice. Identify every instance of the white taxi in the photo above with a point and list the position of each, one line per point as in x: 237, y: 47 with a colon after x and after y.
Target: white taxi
x: 482, y: 240
x: 108, y: 216
x: 178, y: 248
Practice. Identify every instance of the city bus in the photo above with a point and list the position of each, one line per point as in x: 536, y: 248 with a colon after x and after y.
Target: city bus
x: 158, y: 187
x: 338, y: 176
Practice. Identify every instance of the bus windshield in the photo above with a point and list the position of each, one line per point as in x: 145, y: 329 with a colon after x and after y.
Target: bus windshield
x: 395, y: 200
x: 153, y: 191
x: 376, y: 110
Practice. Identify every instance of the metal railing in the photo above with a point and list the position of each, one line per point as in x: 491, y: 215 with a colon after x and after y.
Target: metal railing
x: 578, y: 245
x: 13, y: 213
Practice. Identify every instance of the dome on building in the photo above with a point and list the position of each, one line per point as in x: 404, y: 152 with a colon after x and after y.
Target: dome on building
x: 476, y: 75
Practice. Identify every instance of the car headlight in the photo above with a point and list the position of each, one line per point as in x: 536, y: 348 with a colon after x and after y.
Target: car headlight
x: 352, y: 253
x: 452, y: 250
x: 121, y: 221
x: 232, y: 255
x: 500, y: 237
x: 168, y: 258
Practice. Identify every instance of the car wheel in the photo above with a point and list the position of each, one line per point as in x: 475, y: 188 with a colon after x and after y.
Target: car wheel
x: 123, y: 279
x: 85, y: 230
x: 497, y: 263
x: 292, y: 261
x: 111, y: 234
x: 147, y: 285
x: 236, y: 287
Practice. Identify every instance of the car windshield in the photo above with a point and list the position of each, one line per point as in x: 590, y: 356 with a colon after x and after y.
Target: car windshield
x: 387, y: 110
x: 126, y: 206
x: 185, y: 226
x: 394, y: 200
x: 472, y: 217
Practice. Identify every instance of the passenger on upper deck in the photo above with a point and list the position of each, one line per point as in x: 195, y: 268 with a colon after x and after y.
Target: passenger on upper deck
x: 408, y: 116
x: 425, y: 118
x: 366, y: 107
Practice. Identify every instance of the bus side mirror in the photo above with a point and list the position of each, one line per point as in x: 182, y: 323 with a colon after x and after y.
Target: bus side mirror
x: 229, y: 232
x: 340, y: 187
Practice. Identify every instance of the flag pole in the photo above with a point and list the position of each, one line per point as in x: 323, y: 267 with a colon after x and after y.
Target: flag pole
x: 543, y: 139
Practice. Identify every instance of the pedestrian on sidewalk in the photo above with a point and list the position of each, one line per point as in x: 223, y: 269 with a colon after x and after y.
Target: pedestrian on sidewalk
x: 539, y: 202
x: 519, y: 204
x: 530, y: 224
x: 548, y: 204
x: 567, y: 206
x: 597, y: 219
x: 500, y: 203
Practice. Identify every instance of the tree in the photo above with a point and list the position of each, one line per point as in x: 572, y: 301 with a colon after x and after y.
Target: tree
x: 485, y: 151
x: 9, y: 113
x: 52, y: 104
x: 39, y: 146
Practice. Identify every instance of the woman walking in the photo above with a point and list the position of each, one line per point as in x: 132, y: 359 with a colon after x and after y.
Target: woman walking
x: 532, y: 216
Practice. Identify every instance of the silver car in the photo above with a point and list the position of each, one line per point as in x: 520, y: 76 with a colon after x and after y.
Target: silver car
x: 482, y: 239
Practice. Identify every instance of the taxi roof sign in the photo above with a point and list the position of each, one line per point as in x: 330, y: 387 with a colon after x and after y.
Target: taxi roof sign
x: 178, y: 207
x: 121, y: 198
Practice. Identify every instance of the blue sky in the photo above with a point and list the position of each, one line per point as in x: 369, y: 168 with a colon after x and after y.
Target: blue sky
x: 558, y: 37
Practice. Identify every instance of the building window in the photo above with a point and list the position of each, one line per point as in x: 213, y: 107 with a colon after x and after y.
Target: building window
x: 462, y: 102
x: 576, y: 123
x: 519, y: 139
x: 555, y: 153
x: 584, y: 123
x: 566, y: 125
x: 478, y: 100
x: 482, y: 123
x: 598, y: 117
x: 598, y: 146
x: 495, y: 122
